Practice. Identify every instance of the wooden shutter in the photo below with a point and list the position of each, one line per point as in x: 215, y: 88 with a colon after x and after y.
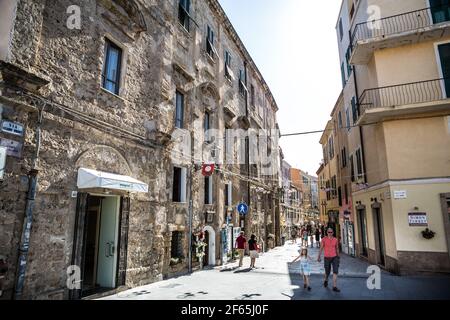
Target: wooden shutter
x: 123, y: 240
x: 78, y: 237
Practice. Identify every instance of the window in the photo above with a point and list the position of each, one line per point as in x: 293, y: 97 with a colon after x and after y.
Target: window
x: 352, y: 168
x: 331, y: 147
x: 340, y: 120
x: 344, y: 157
x: 327, y: 186
x: 208, y: 190
x: 347, y: 118
x: 183, y: 13
x: 343, y: 74
x: 349, y: 66
x: 207, y: 126
x: 359, y: 163
x: 228, y: 71
x: 111, y: 68
x: 341, y: 29
x: 352, y: 11
x: 325, y: 155
x: 242, y: 82
x: 346, y: 193
x: 179, y: 110
x: 333, y: 186
x: 340, y: 196
x: 354, y: 111
x: 179, y: 184
x: 252, y: 96
x: 228, y: 195
x: 440, y: 10
x: 177, y: 245
x: 210, y: 49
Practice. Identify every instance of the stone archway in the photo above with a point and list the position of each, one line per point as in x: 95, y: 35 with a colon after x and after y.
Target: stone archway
x: 211, y: 245
x: 104, y: 158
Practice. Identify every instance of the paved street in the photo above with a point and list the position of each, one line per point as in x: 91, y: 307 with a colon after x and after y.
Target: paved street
x: 276, y: 279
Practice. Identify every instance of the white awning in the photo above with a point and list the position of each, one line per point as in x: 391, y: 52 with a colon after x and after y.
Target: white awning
x: 88, y: 178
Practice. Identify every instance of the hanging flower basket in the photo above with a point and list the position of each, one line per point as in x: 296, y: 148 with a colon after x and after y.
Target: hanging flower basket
x: 428, y: 234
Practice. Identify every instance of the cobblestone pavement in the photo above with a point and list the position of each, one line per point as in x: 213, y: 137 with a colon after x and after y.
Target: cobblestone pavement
x: 276, y: 279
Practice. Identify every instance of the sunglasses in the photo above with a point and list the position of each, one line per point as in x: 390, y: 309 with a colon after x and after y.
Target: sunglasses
x: 330, y: 232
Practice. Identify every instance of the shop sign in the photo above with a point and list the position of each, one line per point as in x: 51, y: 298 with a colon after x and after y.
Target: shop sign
x: 417, y: 219
x: 14, y: 148
x: 12, y: 128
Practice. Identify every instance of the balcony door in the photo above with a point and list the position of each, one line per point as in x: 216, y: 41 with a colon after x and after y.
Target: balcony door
x: 440, y: 10
x: 444, y: 57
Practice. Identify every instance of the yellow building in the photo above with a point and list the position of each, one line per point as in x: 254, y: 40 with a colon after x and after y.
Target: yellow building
x: 328, y: 179
x: 395, y: 64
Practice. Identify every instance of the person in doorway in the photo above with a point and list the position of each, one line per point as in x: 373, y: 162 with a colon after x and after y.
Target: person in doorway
x: 253, y: 247
x: 305, y: 267
x: 241, y: 243
x: 330, y: 246
x: 317, y: 235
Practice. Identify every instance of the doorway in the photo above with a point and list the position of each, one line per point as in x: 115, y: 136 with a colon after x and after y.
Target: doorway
x: 363, y: 232
x: 100, y: 244
x: 444, y: 57
x: 206, y: 250
x: 379, y: 237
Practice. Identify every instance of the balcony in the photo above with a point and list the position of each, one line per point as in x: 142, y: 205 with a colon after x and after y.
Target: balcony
x: 408, y: 28
x: 404, y: 100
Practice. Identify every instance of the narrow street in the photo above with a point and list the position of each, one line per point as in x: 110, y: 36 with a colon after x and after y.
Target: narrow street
x: 275, y: 278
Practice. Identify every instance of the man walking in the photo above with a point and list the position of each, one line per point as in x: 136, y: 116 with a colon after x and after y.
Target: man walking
x: 240, y: 245
x: 330, y: 246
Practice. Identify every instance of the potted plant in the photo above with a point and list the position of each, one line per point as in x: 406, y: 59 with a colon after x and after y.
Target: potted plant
x: 428, y: 234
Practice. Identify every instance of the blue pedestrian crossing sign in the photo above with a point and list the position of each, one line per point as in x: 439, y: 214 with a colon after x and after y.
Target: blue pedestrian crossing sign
x: 242, y: 208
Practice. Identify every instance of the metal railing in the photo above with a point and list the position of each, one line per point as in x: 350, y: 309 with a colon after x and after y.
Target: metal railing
x: 403, y: 94
x: 399, y: 23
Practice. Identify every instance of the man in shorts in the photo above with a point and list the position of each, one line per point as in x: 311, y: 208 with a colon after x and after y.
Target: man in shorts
x: 241, y: 243
x: 330, y: 246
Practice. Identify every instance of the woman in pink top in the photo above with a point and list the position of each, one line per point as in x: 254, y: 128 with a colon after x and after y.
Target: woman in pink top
x: 330, y: 246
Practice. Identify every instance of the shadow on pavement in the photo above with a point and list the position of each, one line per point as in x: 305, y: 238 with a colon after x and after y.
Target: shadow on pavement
x: 243, y: 270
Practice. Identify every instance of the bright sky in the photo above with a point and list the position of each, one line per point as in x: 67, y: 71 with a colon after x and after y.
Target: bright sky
x: 295, y: 48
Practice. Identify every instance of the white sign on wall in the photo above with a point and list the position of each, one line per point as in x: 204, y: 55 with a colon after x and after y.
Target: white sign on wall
x: 400, y: 194
x: 12, y: 128
x: 3, y: 151
x: 417, y: 219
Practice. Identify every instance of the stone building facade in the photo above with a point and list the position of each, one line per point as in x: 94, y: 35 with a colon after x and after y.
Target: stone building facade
x: 89, y: 110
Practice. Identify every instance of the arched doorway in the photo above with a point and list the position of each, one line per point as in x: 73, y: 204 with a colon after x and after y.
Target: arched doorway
x: 210, y: 256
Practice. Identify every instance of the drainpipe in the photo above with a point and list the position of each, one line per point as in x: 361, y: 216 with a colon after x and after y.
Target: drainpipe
x: 28, y: 219
x: 247, y: 147
x: 191, y: 178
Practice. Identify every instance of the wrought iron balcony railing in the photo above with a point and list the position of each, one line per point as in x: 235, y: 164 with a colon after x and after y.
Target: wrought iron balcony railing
x: 408, y: 21
x: 404, y: 94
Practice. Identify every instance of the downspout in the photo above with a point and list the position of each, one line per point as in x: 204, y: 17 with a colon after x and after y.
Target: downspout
x: 247, y: 146
x: 28, y: 219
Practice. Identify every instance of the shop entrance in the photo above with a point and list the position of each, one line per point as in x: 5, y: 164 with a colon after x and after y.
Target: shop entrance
x: 206, y: 256
x: 363, y: 232
x: 100, y: 242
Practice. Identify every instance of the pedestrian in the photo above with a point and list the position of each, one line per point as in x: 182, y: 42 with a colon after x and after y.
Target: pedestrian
x: 330, y: 246
x: 305, y: 267
x: 294, y: 235
x: 241, y: 243
x: 305, y: 238
x: 311, y: 237
x: 317, y: 237
x: 253, y: 247
x: 322, y: 229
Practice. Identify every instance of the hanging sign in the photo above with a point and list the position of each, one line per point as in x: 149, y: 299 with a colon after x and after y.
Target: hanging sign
x: 417, y: 219
x: 12, y: 128
x: 207, y: 170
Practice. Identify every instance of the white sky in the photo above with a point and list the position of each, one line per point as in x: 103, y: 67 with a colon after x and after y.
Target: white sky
x: 294, y: 45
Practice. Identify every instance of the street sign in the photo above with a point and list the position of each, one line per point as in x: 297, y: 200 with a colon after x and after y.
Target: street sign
x: 417, y: 219
x: 242, y: 208
x: 12, y: 128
